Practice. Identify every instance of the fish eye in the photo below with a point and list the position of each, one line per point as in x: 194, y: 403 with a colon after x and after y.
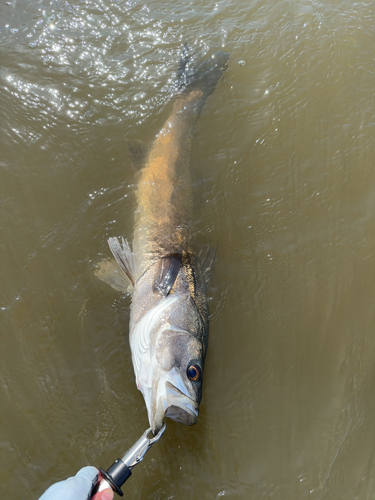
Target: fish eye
x: 194, y: 373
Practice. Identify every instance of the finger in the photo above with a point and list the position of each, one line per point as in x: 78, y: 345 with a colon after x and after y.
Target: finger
x: 106, y: 494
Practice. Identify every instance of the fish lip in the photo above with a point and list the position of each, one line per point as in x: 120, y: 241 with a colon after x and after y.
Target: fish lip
x: 173, y: 403
x: 182, y: 401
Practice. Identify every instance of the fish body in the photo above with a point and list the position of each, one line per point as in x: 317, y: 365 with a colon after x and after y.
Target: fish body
x: 169, y: 312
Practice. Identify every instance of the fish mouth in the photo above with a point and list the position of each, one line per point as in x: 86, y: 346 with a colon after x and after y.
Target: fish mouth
x: 173, y: 401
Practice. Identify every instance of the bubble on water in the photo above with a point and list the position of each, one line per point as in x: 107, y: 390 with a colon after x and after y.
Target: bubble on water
x: 241, y: 63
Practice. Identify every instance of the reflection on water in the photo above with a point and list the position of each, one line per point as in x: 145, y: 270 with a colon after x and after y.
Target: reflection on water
x: 284, y: 184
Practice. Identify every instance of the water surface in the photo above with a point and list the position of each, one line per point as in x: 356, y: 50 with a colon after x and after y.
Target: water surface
x: 284, y: 184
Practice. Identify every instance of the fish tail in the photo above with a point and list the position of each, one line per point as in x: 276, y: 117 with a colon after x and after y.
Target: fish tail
x: 203, y: 75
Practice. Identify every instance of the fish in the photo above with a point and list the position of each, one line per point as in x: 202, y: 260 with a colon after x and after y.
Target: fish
x: 168, y: 278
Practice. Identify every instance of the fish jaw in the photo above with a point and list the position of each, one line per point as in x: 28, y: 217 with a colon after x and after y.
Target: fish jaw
x: 171, y: 399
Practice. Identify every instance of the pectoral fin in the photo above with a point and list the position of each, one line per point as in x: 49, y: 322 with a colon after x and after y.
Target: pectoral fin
x: 166, y: 274
x: 207, y: 259
x: 124, y: 257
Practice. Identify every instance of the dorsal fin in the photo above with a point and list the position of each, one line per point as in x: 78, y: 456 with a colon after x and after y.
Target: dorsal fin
x: 124, y: 257
x: 167, y: 271
x: 138, y: 152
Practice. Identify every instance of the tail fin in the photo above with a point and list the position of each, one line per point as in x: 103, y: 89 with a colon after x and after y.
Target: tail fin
x: 203, y: 75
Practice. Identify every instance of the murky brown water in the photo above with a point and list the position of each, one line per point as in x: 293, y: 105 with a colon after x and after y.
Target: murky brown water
x: 284, y: 183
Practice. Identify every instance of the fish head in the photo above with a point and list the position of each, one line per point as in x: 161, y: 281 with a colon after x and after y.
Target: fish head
x: 169, y: 367
x: 178, y: 388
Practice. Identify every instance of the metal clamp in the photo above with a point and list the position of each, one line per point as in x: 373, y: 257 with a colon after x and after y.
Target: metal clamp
x: 116, y: 475
x: 137, y: 452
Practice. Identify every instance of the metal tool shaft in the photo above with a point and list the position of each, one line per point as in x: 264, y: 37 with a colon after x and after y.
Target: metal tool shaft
x: 120, y: 471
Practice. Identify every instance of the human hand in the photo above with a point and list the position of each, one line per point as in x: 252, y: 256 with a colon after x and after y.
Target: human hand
x: 78, y: 487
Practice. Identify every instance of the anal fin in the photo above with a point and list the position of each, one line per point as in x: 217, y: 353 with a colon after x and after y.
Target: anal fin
x: 124, y: 257
x: 167, y: 272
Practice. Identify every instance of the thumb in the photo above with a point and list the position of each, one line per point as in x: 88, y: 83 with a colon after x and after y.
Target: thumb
x: 106, y: 494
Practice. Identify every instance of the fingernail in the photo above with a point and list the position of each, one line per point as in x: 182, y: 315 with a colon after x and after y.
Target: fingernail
x: 107, y: 494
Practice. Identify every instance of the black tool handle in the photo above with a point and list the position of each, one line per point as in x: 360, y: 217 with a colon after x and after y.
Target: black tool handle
x: 115, y: 475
